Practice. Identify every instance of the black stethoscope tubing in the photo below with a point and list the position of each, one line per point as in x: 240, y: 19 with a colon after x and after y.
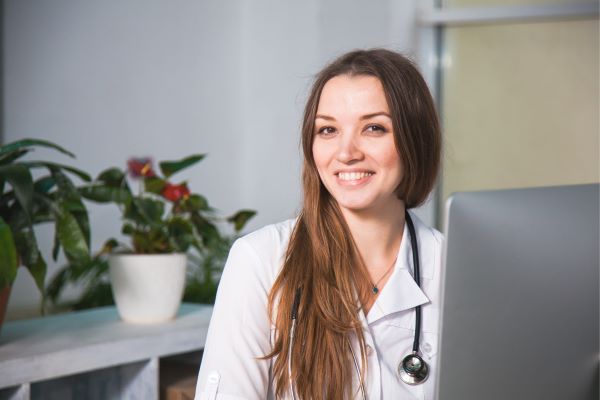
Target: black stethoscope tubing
x: 416, y: 276
x: 412, y: 369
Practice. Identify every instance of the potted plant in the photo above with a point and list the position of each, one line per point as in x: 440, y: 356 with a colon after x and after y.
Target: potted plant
x: 164, y: 221
x: 27, y: 201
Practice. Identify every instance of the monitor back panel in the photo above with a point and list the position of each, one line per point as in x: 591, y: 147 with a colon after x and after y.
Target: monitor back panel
x: 521, y: 300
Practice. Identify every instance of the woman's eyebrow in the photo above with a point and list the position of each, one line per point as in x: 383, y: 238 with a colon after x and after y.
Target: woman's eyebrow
x: 327, y: 117
x: 368, y: 116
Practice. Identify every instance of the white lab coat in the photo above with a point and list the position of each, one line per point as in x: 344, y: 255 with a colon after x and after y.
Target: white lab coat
x: 240, y: 330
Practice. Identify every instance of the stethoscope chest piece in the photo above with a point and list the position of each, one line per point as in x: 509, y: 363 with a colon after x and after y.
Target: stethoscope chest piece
x: 413, y: 369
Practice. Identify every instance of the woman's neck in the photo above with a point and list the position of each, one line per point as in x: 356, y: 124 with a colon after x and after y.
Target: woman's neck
x: 377, y: 234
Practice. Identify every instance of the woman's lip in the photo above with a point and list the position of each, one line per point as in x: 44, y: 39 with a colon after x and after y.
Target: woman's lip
x: 354, y: 182
x: 359, y: 171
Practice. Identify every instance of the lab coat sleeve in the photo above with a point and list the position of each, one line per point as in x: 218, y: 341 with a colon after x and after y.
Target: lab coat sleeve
x: 239, y: 330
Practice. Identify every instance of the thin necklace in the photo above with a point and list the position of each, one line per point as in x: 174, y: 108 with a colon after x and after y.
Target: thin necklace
x: 375, y: 289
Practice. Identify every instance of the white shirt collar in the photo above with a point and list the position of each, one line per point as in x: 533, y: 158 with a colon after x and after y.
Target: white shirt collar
x: 401, y: 292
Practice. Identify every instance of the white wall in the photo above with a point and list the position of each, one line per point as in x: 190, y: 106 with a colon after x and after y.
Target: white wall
x: 114, y: 79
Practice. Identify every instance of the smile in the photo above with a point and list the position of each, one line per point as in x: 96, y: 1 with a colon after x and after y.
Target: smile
x: 353, y: 176
x: 353, y: 179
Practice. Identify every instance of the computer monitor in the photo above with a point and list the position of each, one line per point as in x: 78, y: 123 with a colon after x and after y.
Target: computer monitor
x: 520, y: 309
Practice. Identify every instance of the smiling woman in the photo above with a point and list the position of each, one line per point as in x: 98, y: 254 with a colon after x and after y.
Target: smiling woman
x: 354, y: 148
x: 310, y: 308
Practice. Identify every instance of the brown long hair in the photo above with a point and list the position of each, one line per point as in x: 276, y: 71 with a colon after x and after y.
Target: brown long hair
x: 321, y: 257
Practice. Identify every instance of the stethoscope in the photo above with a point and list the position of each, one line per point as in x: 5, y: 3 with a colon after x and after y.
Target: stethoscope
x: 412, y: 370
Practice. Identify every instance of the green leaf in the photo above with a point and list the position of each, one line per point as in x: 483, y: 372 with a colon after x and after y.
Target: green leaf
x: 112, y: 177
x: 71, y: 238
x: 80, y: 213
x: 207, y: 230
x: 66, y: 189
x: 12, y: 156
x: 19, y: 144
x: 16, y: 217
x: 44, y: 208
x: 197, y: 291
x: 55, y: 248
x: 127, y: 229
x: 141, y: 243
x: 27, y: 247
x: 109, y: 246
x: 106, y: 194
x: 72, y: 205
x: 46, y: 164
x: 178, y: 225
x: 97, y: 295
x: 181, y: 233
x: 154, y: 185
x: 19, y: 177
x: 151, y: 210
x: 8, y: 255
x: 38, y: 270
x: 168, y: 168
x: 70, y: 200
x: 57, y: 284
x: 195, y: 202
x: 89, y: 275
x: 151, y: 242
x: 184, y: 242
x: 240, y: 219
x: 44, y: 184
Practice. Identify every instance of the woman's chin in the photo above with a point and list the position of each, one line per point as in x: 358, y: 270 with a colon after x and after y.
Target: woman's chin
x: 357, y: 206
x: 369, y: 206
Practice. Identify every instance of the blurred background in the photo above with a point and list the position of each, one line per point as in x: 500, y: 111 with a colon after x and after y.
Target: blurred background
x: 516, y: 82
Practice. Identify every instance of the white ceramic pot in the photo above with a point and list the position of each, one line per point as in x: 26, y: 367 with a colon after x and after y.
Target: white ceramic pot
x: 147, y: 287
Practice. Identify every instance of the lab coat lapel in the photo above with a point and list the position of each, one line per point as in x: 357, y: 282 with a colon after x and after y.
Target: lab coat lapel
x: 401, y: 292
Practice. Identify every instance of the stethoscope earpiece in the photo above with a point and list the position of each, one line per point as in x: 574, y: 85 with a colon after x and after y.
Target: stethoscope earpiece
x: 413, y: 369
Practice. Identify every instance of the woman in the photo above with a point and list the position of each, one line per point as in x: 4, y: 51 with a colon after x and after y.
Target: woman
x: 371, y: 143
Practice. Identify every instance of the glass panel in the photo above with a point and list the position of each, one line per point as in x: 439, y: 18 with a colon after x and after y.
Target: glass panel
x: 520, y: 105
x: 484, y: 3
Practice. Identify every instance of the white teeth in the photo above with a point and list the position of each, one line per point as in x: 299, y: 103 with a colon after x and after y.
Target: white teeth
x: 353, y: 176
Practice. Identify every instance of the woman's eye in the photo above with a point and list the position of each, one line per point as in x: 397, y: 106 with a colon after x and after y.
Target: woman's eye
x: 326, y: 130
x: 376, y: 128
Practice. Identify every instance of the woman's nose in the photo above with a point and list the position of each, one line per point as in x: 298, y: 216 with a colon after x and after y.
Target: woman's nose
x: 348, y: 149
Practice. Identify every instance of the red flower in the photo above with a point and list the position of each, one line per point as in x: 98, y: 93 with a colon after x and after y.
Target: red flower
x: 175, y: 192
x: 140, y: 167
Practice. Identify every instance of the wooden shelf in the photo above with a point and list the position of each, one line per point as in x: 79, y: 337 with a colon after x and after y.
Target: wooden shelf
x: 93, y: 351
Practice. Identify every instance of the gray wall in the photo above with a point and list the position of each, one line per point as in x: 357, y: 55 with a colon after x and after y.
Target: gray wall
x: 115, y: 79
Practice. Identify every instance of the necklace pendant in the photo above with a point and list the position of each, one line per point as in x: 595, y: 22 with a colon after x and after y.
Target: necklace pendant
x: 375, y: 290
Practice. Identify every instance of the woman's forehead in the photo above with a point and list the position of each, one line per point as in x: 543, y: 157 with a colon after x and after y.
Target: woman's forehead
x: 357, y: 95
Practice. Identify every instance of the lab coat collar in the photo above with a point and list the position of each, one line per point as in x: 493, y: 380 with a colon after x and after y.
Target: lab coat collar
x: 401, y: 292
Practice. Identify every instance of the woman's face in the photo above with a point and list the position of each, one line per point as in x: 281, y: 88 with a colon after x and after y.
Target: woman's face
x: 353, y: 146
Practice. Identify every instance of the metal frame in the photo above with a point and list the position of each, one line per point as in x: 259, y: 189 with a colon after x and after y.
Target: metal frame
x: 503, y: 14
x: 432, y: 19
